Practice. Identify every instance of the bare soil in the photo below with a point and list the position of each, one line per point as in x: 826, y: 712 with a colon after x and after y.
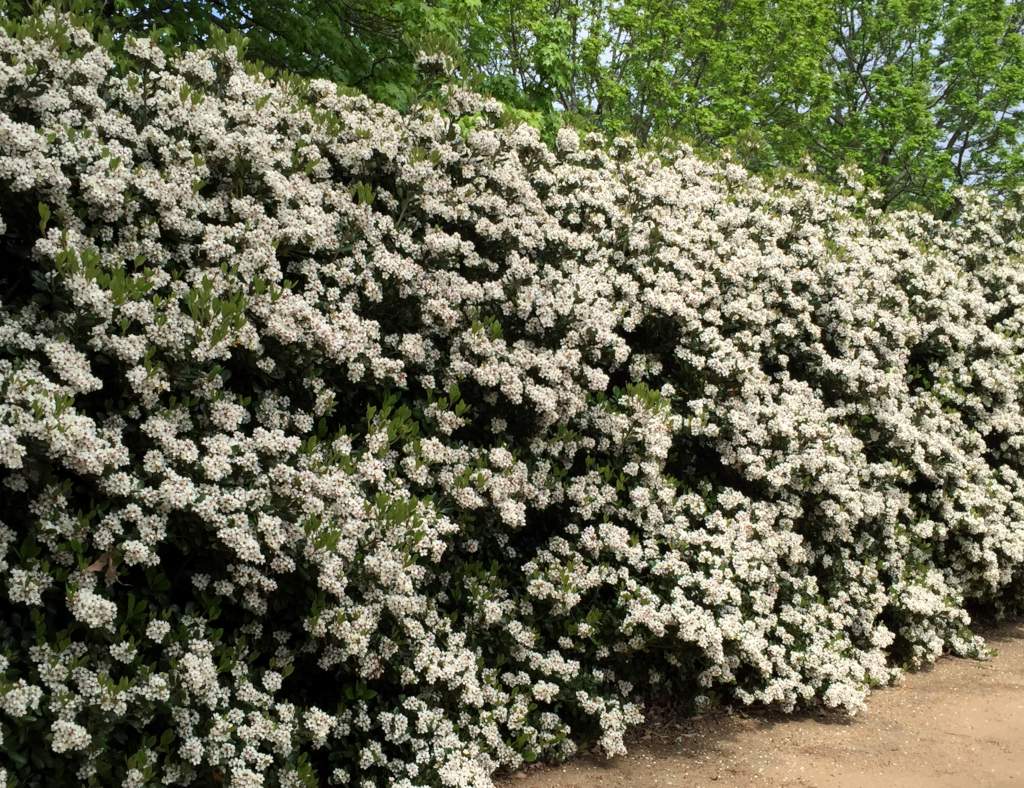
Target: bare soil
x: 959, y: 723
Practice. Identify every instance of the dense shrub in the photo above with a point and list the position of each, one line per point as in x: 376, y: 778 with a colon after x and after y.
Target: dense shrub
x: 343, y: 445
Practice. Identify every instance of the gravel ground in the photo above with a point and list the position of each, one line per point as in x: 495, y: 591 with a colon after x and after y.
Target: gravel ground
x: 960, y: 723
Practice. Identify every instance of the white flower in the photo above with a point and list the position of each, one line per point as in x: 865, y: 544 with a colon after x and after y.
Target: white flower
x: 69, y: 735
x: 92, y: 609
x: 21, y: 698
x: 567, y: 140
x: 157, y: 630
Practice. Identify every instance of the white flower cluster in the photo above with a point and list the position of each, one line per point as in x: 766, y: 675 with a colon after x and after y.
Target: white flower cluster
x: 339, y: 446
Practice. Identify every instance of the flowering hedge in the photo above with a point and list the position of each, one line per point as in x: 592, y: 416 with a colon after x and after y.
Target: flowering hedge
x: 343, y: 446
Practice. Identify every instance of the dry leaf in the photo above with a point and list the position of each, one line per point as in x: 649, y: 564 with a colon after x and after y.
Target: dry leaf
x: 109, y: 563
x: 99, y: 563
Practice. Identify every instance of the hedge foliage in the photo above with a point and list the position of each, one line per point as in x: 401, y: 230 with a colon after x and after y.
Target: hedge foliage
x: 343, y: 446
x: 922, y: 95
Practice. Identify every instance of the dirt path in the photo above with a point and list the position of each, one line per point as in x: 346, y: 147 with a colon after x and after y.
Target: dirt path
x: 960, y: 723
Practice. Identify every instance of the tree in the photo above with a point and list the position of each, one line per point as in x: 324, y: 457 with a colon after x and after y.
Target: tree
x: 927, y: 94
